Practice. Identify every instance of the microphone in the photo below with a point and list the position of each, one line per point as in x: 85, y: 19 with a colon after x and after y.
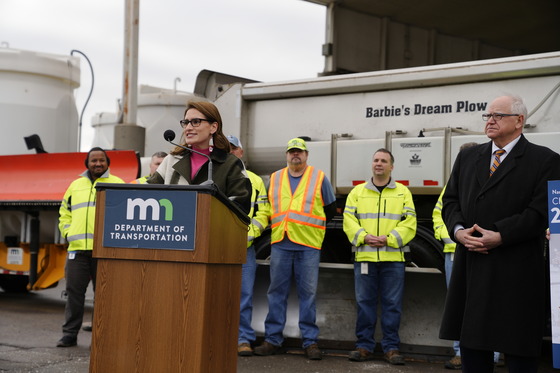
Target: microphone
x: 169, y: 135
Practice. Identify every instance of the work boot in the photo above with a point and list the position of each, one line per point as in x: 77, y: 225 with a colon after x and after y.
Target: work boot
x: 393, y: 357
x: 87, y: 327
x: 266, y: 349
x: 454, y: 363
x: 313, y: 352
x: 244, y: 349
x: 360, y: 354
x: 67, y: 341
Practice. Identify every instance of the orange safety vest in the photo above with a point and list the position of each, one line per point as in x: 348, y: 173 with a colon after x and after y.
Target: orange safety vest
x: 301, y: 216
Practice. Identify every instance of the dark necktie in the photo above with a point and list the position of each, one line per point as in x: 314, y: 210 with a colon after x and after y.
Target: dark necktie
x: 496, y: 161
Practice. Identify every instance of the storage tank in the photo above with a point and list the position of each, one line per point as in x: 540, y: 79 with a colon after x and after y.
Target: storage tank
x: 159, y: 109
x: 37, y: 97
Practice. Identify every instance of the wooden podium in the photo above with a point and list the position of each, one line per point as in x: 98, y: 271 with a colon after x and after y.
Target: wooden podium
x: 167, y: 310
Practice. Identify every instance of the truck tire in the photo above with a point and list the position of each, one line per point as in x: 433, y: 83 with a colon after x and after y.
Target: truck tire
x: 425, y: 250
x: 14, y: 284
x: 262, y: 244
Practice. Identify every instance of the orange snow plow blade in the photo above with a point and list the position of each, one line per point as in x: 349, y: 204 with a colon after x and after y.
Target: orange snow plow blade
x: 46, y: 176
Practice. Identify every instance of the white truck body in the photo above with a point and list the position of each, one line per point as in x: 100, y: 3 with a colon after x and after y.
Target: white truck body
x: 370, y: 105
x: 347, y: 118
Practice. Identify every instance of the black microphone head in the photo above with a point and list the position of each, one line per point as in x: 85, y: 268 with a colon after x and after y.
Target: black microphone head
x: 169, y: 135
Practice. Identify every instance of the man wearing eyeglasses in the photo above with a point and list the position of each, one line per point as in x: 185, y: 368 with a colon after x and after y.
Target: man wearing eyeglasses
x: 495, y: 207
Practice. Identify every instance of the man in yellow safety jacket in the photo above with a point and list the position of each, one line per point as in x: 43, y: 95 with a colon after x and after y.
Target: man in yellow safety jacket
x: 259, y: 214
x: 441, y: 234
x: 302, y: 202
x: 155, y: 161
x: 76, y: 224
x: 379, y: 220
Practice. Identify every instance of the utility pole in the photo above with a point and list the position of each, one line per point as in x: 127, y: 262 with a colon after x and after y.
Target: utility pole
x: 128, y: 135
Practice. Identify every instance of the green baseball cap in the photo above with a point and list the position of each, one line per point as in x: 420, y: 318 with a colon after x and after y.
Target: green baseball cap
x: 296, y: 143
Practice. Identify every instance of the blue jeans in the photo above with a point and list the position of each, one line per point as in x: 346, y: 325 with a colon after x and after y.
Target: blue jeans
x: 248, y: 271
x: 448, y: 269
x: 384, y: 281
x: 303, y: 265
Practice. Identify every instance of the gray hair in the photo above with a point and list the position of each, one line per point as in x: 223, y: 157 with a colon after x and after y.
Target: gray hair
x: 467, y: 145
x: 159, y: 155
x: 518, y: 107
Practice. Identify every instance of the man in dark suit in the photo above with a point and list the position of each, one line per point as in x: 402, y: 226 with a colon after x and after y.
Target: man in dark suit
x: 495, y: 206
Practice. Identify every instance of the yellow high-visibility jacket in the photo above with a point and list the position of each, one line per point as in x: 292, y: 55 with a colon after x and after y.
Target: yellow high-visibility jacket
x: 260, y: 208
x: 440, y: 230
x: 389, y: 213
x: 141, y: 180
x: 77, y: 211
x: 301, y: 216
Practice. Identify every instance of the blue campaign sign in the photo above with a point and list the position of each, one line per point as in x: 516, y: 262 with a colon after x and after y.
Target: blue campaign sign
x: 150, y: 219
x: 554, y: 206
x: 554, y: 255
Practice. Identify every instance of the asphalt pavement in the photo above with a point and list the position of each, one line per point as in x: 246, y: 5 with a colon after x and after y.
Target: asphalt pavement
x: 30, y: 326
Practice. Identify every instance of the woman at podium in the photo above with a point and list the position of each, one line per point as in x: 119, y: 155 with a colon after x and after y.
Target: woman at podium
x: 203, y: 157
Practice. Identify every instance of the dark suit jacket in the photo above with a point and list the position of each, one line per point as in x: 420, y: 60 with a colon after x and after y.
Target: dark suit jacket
x: 496, y: 301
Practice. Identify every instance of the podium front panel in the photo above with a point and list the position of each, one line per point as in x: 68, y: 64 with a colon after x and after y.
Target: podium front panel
x: 207, y: 231
x: 150, y: 219
x: 167, y: 309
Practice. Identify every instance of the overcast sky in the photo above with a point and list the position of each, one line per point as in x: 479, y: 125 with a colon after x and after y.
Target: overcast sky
x: 265, y: 40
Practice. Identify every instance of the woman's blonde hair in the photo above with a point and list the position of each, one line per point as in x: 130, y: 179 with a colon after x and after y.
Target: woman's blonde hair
x: 210, y: 111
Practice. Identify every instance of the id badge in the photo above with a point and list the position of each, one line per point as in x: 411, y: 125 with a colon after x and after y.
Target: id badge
x: 71, y: 255
x: 365, y: 267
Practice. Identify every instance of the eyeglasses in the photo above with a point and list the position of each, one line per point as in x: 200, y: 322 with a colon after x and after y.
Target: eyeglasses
x: 497, y: 116
x: 195, y: 122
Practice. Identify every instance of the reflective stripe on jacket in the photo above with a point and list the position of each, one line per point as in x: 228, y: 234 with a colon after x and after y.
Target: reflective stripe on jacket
x: 260, y: 208
x: 77, y: 211
x: 440, y: 230
x: 141, y: 180
x: 389, y: 213
x: 301, y: 215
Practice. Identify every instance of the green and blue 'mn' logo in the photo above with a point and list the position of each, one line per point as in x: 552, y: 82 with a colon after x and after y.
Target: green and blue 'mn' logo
x: 145, y: 219
x: 143, y: 205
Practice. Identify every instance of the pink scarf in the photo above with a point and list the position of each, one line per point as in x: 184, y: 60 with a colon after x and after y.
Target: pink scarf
x: 198, y: 160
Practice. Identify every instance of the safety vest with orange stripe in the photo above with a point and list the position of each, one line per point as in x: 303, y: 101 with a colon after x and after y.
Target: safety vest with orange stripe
x: 299, y: 215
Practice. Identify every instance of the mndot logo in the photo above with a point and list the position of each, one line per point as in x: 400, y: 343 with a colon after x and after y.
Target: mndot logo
x: 141, y: 205
x: 145, y: 219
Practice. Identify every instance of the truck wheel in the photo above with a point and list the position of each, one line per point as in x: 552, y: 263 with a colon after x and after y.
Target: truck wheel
x: 262, y: 244
x: 425, y: 250
x: 14, y: 284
